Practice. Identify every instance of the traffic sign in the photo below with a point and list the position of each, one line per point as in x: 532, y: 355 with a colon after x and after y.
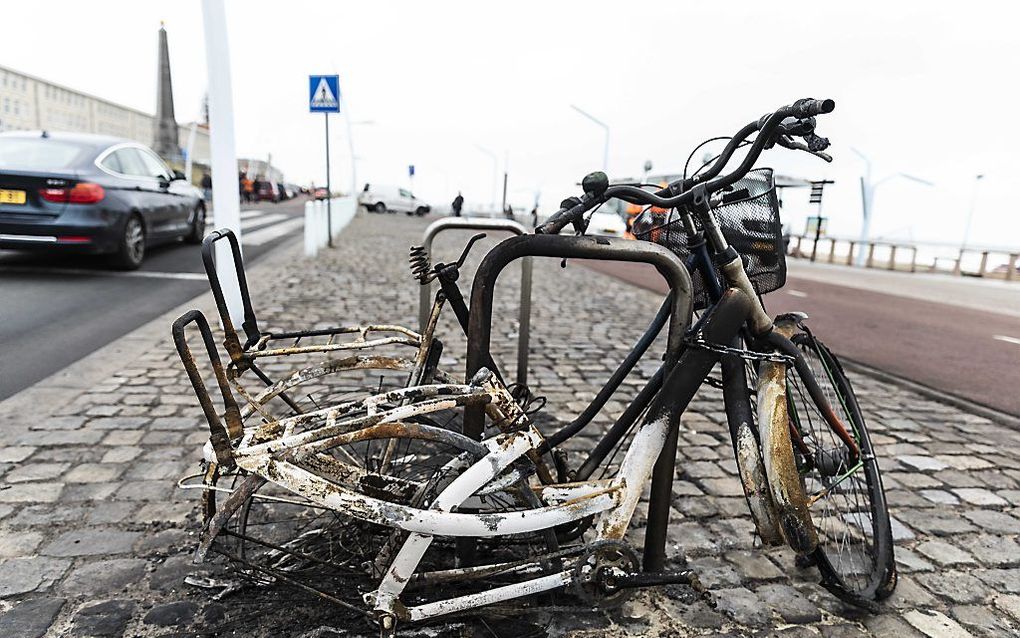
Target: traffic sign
x: 324, y: 93
x: 410, y: 170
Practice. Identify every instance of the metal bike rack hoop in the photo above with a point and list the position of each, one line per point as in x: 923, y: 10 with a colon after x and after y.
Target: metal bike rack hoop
x: 524, y: 316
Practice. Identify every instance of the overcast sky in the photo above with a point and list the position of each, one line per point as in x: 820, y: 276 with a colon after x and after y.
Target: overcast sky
x: 927, y: 88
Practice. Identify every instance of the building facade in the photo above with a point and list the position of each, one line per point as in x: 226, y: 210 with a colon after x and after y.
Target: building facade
x: 258, y: 169
x: 31, y: 103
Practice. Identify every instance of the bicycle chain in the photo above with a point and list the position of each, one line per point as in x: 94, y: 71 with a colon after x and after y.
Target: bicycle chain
x: 747, y: 355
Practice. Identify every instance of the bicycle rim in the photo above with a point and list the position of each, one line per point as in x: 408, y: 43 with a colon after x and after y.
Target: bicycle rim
x: 848, y: 502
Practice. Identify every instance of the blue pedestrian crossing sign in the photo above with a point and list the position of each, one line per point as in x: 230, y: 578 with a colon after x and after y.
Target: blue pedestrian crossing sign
x: 324, y: 93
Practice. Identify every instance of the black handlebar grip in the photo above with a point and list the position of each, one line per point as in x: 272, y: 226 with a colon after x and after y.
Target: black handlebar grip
x: 562, y: 217
x: 809, y: 107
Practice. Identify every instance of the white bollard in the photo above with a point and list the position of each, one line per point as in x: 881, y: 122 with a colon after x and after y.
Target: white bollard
x: 323, y: 224
x: 311, y: 244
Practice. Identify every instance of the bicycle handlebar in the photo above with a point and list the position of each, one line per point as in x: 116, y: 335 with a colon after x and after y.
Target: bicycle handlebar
x: 809, y: 107
x: 681, y: 192
x: 559, y: 220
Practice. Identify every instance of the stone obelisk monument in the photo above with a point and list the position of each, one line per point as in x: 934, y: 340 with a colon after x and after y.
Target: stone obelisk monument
x: 165, y: 136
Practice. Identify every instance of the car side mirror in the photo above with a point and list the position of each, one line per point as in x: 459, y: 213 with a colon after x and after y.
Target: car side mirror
x: 177, y: 175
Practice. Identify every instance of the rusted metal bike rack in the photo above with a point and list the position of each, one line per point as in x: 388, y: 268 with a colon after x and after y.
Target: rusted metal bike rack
x: 679, y: 307
x: 524, y: 315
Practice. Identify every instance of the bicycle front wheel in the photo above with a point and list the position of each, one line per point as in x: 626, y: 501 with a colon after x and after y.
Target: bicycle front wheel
x: 846, y: 497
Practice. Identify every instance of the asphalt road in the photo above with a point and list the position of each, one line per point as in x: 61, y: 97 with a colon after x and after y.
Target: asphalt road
x: 953, y: 340
x: 56, y: 309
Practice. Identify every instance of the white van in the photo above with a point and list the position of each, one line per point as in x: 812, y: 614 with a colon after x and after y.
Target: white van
x: 391, y: 199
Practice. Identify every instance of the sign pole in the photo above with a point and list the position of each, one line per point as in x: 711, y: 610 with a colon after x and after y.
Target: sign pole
x: 324, y: 97
x: 329, y: 191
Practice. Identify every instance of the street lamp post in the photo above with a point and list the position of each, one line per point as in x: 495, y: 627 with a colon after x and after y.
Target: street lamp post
x: 223, y: 158
x: 605, y: 128
x: 350, y: 146
x: 970, y: 218
x: 868, y: 198
x: 970, y: 213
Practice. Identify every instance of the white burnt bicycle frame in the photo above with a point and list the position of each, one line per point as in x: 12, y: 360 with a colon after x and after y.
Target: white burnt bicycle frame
x: 267, y: 451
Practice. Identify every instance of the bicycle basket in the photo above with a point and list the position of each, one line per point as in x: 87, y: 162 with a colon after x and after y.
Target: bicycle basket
x: 748, y: 218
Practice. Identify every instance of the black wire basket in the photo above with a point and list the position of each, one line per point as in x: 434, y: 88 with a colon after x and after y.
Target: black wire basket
x: 748, y: 218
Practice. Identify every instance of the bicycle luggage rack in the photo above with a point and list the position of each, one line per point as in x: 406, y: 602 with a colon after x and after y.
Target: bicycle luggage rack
x: 524, y: 316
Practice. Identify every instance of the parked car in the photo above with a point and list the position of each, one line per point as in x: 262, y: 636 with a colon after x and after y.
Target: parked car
x: 320, y: 193
x: 383, y: 198
x: 266, y: 191
x: 607, y: 222
x: 94, y: 194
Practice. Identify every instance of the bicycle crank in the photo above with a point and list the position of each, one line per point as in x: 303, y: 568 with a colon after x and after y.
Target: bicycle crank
x: 685, y: 577
x: 608, y: 572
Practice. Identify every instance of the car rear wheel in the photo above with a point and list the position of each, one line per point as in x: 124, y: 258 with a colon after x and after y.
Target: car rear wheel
x: 379, y: 207
x: 421, y: 211
x: 197, y: 232
x: 131, y: 247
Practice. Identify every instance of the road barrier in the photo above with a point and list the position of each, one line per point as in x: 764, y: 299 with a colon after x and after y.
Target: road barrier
x: 524, y: 314
x: 317, y: 221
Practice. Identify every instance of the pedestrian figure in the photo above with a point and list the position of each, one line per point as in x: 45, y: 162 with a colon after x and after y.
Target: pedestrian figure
x: 206, y: 186
x: 534, y: 216
x: 458, y: 203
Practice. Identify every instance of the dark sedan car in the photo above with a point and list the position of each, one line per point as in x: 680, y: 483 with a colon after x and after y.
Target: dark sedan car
x: 266, y: 192
x: 92, y: 194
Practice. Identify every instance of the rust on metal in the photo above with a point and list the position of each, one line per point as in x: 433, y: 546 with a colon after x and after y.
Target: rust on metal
x: 780, y: 465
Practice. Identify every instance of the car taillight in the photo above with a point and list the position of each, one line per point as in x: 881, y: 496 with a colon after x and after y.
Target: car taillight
x: 81, y: 193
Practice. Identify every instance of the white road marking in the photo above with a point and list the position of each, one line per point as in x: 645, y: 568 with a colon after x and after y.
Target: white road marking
x: 254, y: 222
x: 245, y: 214
x: 144, y: 274
x: 262, y: 220
x: 1012, y: 340
x: 268, y: 234
x: 795, y: 293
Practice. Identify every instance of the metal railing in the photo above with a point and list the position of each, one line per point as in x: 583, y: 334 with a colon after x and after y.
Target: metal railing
x: 524, y: 313
x: 905, y: 256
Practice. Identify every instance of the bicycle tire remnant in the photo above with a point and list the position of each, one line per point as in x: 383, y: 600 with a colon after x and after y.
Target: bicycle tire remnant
x: 777, y: 454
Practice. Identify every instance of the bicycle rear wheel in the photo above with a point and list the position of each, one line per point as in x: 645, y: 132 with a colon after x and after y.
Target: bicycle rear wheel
x: 855, y: 547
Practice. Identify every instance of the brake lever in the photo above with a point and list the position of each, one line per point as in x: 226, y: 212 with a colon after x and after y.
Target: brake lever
x: 467, y: 249
x: 788, y: 142
x: 816, y: 143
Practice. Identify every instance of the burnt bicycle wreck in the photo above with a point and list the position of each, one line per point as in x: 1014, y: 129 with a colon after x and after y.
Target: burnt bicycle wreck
x: 355, y: 468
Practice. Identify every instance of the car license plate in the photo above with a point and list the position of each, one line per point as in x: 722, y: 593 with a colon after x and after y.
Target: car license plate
x: 12, y: 197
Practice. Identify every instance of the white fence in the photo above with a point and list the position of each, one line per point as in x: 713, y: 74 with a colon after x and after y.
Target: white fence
x: 316, y: 221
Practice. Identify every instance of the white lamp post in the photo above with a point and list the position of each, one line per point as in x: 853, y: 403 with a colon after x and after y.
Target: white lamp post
x: 223, y: 156
x: 605, y: 129
x: 868, y: 197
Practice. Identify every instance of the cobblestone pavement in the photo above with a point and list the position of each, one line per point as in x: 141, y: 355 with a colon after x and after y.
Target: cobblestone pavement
x: 95, y: 537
